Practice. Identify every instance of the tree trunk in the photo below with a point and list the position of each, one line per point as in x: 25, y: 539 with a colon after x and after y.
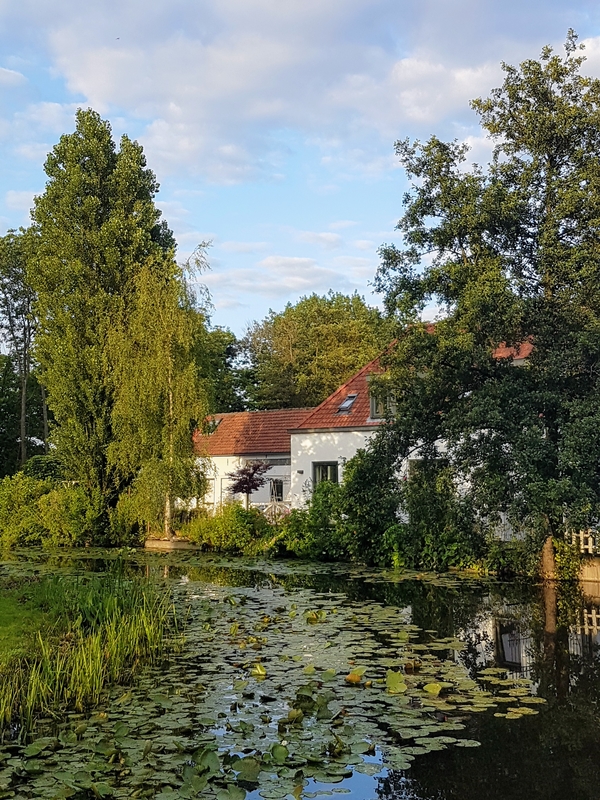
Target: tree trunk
x: 168, y: 508
x: 548, y: 560
x: 23, y: 426
x: 168, y: 524
x: 45, y: 418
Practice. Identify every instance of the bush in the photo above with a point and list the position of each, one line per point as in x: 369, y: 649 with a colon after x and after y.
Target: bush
x: 232, y: 529
x: 20, y: 520
x: 43, y: 468
x: 318, y: 531
x: 69, y: 517
x: 439, y: 529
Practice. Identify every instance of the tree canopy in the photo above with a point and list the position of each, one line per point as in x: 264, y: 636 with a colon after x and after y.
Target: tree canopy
x: 511, y: 254
x: 298, y: 357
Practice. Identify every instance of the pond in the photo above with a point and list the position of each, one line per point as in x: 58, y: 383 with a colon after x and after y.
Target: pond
x: 310, y: 680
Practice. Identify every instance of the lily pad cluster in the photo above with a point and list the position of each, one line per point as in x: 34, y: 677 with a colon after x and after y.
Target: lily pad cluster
x: 283, y: 692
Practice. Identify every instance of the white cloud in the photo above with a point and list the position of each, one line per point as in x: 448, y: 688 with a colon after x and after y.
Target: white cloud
x: 326, y: 239
x: 212, y: 81
x: 19, y: 201
x: 341, y: 224
x: 10, y: 77
x: 244, y: 247
x: 359, y: 269
x: 276, y: 276
x: 364, y: 244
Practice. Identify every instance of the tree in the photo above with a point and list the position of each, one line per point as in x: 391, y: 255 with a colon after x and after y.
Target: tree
x: 511, y: 253
x: 298, y: 357
x: 16, y: 317
x: 217, y: 358
x: 248, y: 478
x: 160, y: 397
x: 98, y: 227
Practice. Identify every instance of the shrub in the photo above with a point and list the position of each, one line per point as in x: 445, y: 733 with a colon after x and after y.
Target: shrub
x: 231, y: 529
x: 46, y: 467
x: 20, y: 521
x: 318, y: 530
x: 439, y: 529
x: 69, y: 516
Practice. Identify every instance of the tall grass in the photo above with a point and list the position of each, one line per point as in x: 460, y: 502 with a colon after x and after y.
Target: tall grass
x: 102, y: 631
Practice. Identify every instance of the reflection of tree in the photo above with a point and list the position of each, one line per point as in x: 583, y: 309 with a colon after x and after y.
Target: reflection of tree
x: 552, y: 756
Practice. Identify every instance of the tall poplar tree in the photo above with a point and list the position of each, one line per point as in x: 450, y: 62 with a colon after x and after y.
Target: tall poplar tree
x: 97, y: 226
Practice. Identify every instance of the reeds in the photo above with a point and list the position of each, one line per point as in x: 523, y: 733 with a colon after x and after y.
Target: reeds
x: 104, y: 631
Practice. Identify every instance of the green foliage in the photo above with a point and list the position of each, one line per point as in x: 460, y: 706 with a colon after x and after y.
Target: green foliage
x: 43, y: 467
x: 217, y: 358
x: 232, y: 529
x: 36, y: 511
x: 17, y: 321
x: 568, y: 560
x: 69, y: 516
x: 20, y: 519
x: 516, y: 558
x: 510, y: 254
x: 97, y: 226
x: 10, y: 416
x: 318, y: 530
x: 104, y: 631
x: 439, y: 529
x: 300, y: 356
x: 159, y: 398
x: 371, y: 498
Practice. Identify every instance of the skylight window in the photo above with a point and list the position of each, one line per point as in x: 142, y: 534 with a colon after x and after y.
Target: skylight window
x: 347, y: 404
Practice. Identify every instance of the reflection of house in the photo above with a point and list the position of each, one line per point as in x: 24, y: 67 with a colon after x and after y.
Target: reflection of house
x: 333, y: 432
x: 246, y: 436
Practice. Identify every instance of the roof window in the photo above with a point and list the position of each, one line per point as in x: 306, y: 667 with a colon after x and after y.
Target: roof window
x: 345, y: 406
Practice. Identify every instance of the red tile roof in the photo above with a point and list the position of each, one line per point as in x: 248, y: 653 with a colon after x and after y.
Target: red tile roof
x: 522, y: 350
x: 327, y: 415
x: 251, y: 432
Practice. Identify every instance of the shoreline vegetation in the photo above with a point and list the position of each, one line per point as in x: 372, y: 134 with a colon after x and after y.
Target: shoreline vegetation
x: 76, y: 637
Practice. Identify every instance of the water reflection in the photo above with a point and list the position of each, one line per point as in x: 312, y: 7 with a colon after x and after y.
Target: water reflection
x: 551, y: 636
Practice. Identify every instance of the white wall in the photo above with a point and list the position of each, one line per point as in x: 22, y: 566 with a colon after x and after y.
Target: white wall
x: 219, y: 483
x: 328, y: 446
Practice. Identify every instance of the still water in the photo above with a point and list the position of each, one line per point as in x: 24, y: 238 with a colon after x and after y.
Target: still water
x: 376, y: 684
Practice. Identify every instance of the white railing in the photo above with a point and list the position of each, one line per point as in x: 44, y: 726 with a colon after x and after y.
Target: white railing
x: 587, y: 541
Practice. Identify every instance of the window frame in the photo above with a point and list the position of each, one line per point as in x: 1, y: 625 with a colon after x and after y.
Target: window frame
x: 316, y: 465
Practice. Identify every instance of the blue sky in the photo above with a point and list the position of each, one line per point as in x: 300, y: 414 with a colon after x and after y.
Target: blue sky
x: 269, y: 123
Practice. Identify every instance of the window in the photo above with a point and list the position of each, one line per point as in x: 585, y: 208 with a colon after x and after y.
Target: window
x: 382, y: 406
x: 276, y: 490
x: 325, y: 471
x: 345, y: 406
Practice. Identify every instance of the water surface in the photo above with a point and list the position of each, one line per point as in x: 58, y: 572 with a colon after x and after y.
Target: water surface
x: 459, y: 688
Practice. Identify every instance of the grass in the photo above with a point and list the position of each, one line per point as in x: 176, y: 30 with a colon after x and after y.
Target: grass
x: 97, y: 632
x: 19, y: 622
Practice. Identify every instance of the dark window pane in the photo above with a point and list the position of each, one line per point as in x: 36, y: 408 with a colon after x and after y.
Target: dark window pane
x: 326, y: 471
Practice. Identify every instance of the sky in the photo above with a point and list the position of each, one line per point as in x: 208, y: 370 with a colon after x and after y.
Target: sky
x: 270, y: 124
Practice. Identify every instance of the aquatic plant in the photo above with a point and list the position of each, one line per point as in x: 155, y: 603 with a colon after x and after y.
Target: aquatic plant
x: 101, y: 632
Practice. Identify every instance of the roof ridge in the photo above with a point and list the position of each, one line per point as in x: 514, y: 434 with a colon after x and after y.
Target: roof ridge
x: 341, y: 388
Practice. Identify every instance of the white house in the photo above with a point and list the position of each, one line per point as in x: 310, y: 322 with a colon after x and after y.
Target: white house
x: 303, y: 445
x: 245, y: 436
x: 332, y: 433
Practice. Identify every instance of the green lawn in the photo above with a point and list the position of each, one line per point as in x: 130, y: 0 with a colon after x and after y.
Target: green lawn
x: 19, y: 622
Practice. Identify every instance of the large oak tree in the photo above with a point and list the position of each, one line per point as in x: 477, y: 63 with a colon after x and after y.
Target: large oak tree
x: 511, y: 253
